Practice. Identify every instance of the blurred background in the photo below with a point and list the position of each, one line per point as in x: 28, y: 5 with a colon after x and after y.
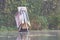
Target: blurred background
x: 43, y: 14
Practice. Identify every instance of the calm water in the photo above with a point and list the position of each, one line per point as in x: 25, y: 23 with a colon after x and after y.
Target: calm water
x: 33, y: 35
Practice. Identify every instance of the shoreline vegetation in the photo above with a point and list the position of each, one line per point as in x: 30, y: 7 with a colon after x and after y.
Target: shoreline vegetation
x: 30, y: 30
x: 42, y: 14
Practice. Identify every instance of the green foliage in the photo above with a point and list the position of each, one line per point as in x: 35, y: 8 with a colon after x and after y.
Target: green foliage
x: 43, y: 21
x: 3, y: 28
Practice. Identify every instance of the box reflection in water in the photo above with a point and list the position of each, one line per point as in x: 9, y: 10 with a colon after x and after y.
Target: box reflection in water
x: 22, y: 36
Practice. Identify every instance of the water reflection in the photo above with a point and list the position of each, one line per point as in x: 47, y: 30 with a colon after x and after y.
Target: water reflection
x: 22, y: 36
x: 31, y: 35
x: 37, y: 36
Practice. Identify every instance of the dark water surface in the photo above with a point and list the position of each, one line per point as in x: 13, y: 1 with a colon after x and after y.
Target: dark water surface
x: 32, y: 35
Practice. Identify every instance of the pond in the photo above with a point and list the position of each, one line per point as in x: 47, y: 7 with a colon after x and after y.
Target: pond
x: 32, y: 35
